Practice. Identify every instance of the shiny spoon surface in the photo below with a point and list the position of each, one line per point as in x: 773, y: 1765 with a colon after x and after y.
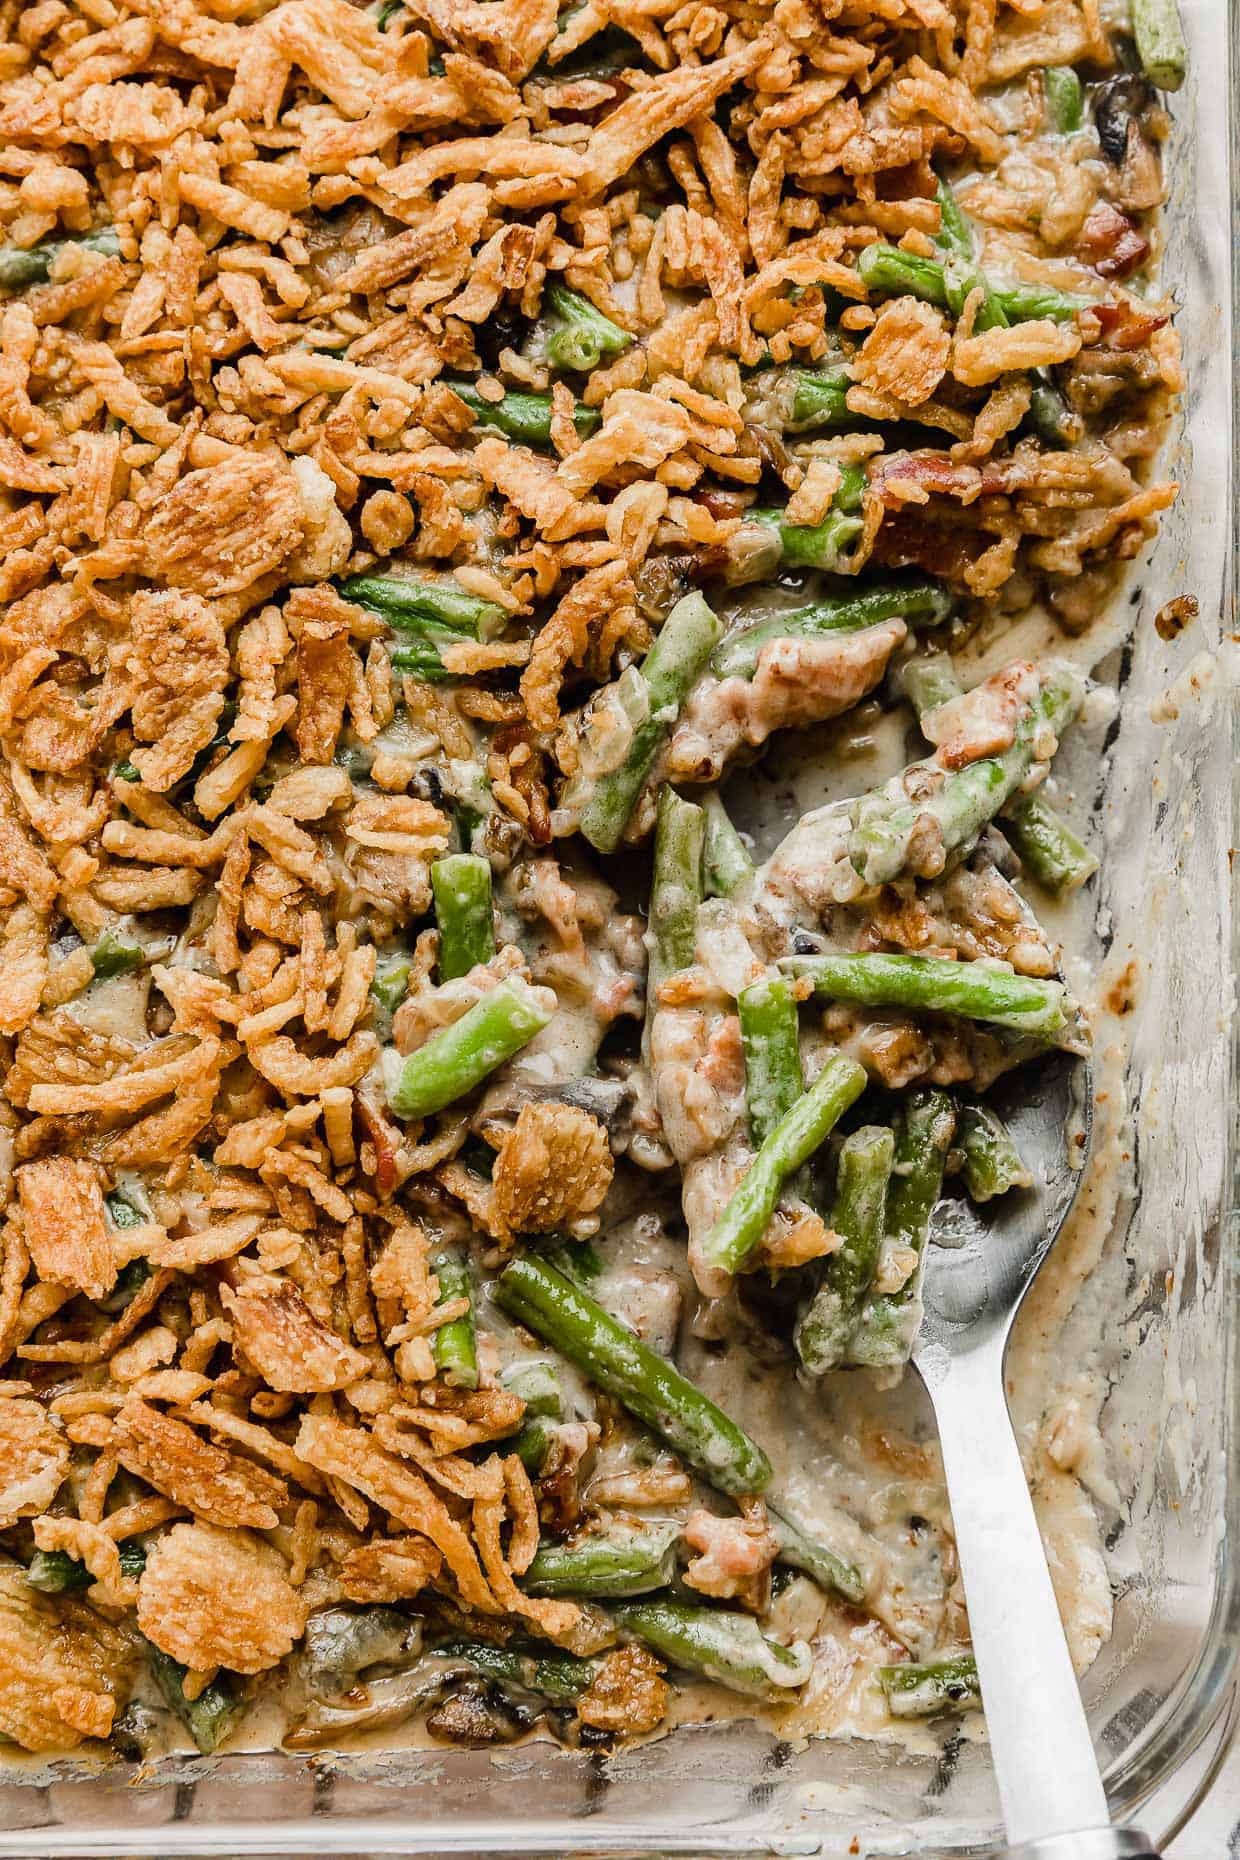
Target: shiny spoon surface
x: 977, y: 1277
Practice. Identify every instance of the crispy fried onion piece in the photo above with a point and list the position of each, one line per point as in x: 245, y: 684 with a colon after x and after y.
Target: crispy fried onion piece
x: 627, y: 1694
x: 62, y: 1212
x: 34, y: 1458
x: 351, y: 1455
x: 179, y: 661
x: 391, y: 1569
x: 216, y: 1598
x: 63, y: 1669
x: 553, y: 1169
x: 222, y: 528
x: 292, y: 1349
x: 215, y: 1485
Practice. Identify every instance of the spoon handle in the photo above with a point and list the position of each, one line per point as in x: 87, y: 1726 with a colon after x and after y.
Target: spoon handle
x: 1089, y: 1844
x: 1044, y: 1760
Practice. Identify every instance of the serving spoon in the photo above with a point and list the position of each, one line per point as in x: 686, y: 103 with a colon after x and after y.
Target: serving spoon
x: 1050, y: 1788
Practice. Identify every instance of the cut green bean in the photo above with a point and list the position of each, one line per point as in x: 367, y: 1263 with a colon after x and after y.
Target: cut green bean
x: 605, y: 1568
x: 726, y: 864
x: 451, y: 1064
x: 1065, y: 100
x: 955, y: 231
x: 567, y: 1318
x: 826, y: 1324
x: 1048, y: 848
x: 819, y: 399
x: 539, y: 1388
x: 921, y: 1691
x: 560, y: 1677
x: 991, y: 1162
x: 771, y: 1042
x: 577, y: 337
x: 676, y: 888
x: 738, y: 1232
x: 455, y: 1345
x: 1160, y: 43
x: 958, y: 803
x: 461, y: 887
x: 668, y: 672
x: 213, y: 1715
x: 22, y: 266
x: 719, y: 1643
x: 114, y: 954
x: 1050, y: 417
x: 55, y: 1572
x: 524, y: 418
x: 982, y: 990
x: 908, y: 598
x: 928, y: 680
x: 887, y: 1326
x: 427, y: 609
x: 823, y: 546
x: 800, y: 1551
x: 123, y: 1213
x: 391, y: 980
x: 885, y: 270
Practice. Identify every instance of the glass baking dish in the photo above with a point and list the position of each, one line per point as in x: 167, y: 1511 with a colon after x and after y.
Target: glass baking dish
x: 1160, y: 1323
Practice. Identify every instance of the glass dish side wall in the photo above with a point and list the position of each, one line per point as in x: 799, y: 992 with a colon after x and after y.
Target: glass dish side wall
x: 1157, y: 1695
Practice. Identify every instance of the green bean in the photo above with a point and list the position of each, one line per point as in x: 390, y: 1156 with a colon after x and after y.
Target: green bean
x: 726, y: 865
x: 676, y: 887
x: 456, y: 1060
x: 21, y: 266
x: 800, y: 1551
x: 125, y: 771
x: 123, y: 1213
x: 55, y: 1572
x: 425, y: 608
x: 885, y: 270
x: 981, y: 990
x: 771, y: 1042
x: 532, y: 1445
x: 129, y: 1280
x: 908, y: 598
x: 525, y: 418
x: 538, y: 1386
x: 577, y: 337
x: 819, y: 399
x: 563, y: 1315
x: 928, y: 680
x: 560, y: 1677
x: 669, y: 671
x: 957, y: 803
x: 1046, y: 845
x: 209, y: 1718
x: 719, y: 1643
x: 799, y: 545
x: 116, y: 955
x: 391, y: 979
x: 455, y: 1345
x: 827, y: 1321
x: 887, y: 1326
x: 991, y: 1161
x: 955, y: 231
x: 1050, y: 417
x: 1159, y: 36
x: 739, y: 1229
x: 461, y: 886
x: 919, y: 1691
x: 605, y: 1568
x: 1065, y: 100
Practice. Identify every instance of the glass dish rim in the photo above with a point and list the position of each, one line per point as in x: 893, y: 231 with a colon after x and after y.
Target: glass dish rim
x: 1206, y: 1703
